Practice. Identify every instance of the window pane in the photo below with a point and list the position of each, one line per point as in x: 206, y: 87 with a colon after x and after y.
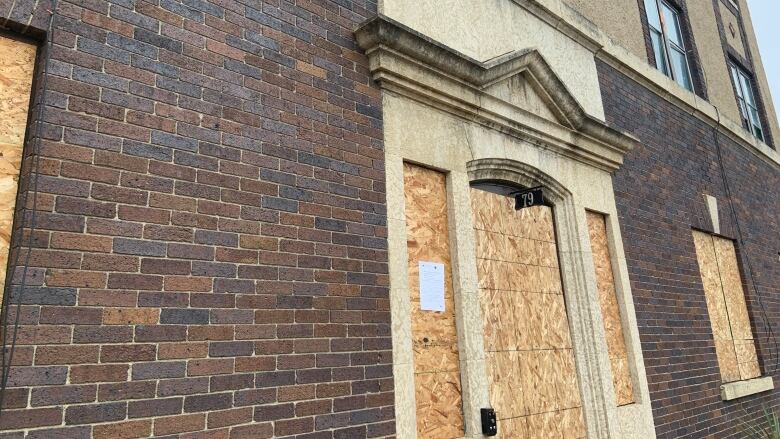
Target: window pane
x: 660, y: 52
x: 743, y: 112
x: 651, y: 7
x: 758, y: 132
x: 756, y: 123
x: 680, y: 69
x: 747, y: 90
x: 672, y: 26
x: 737, y: 84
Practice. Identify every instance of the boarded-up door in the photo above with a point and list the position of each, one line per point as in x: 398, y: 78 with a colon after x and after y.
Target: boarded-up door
x: 16, y: 72
x: 529, y: 355
x: 434, y: 335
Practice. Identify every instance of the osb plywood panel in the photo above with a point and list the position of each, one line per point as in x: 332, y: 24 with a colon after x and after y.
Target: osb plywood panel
x: 734, y: 344
x: 732, y: 289
x: 747, y: 359
x: 439, y: 411
x: 610, y: 312
x: 530, y: 360
x: 713, y: 289
x: 434, y: 335
x: 16, y: 72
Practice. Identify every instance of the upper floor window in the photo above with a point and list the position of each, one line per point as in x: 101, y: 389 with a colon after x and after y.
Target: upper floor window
x: 668, y: 46
x: 748, y: 108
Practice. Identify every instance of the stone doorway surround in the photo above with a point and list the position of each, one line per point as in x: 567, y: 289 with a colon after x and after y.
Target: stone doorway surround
x: 512, y: 120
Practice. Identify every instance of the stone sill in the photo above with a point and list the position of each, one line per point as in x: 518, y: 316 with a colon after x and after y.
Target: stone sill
x: 740, y: 389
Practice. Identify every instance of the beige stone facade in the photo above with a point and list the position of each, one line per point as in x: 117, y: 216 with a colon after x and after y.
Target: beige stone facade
x: 508, y: 90
x: 511, y: 119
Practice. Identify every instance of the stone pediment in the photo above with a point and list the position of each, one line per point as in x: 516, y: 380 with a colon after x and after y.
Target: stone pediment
x: 517, y: 93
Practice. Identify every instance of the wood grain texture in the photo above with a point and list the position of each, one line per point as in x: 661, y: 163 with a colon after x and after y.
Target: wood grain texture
x: 610, y: 311
x: 530, y: 360
x: 16, y: 73
x: 734, y: 344
x: 434, y: 335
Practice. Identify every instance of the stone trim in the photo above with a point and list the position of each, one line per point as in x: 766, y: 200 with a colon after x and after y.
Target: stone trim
x: 740, y: 389
x: 414, y: 65
x: 431, y: 134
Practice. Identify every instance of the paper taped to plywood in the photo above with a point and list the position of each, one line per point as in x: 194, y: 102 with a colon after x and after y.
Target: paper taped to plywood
x: 434, y: 335
x: 431, y: 286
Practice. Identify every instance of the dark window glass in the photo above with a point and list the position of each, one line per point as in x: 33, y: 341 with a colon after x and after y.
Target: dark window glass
x: 667, y: 40
x: 746, y: 100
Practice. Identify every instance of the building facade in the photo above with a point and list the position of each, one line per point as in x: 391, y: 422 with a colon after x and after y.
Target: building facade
x: 310, y: 219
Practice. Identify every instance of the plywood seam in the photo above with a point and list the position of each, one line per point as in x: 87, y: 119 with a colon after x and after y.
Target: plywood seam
x: 723, y: 289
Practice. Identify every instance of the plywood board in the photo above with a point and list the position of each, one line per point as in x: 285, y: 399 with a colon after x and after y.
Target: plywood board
x: 610, y: 311
x: 439, y: 411
x: 530, y: 360
x: 747, y: 359
x: 727, y: 360
x: 434, y: 334
x: 734, y: 344
x: 713, y: 289
x: 16, y: 74
x: 558, y: 424
x: 732, y: 289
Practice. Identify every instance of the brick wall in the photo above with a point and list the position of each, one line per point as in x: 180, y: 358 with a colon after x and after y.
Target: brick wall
x: 209, y: 253
x: 659, y: 197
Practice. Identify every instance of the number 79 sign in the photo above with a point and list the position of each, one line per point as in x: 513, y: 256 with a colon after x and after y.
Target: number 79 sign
x: 528, y: 198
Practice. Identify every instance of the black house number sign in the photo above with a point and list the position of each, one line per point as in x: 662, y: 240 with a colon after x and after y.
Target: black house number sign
x: 528, y: 198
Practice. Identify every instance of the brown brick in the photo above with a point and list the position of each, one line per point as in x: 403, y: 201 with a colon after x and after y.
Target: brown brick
x: 135, y: 281
x: 63, y: 395
x: 127, y: 353
x: 124, y: 430
x: 29, y: 418
x: 252, y: 431
x: 187, y: 283
x: 73, y: 354
x: 75, y: 278
x: 98, y: 373
x: 110, y: 262
x: 230, y: 417
x: 125, y: 391
x: 183, y: 350
x: 130, y: 316
x: 94, y: 413
x: 71, y: 241
x: 210, y: 366
x: 179, y: 424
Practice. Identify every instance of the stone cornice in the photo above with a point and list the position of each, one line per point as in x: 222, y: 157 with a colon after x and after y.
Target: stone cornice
x: 409, y: 63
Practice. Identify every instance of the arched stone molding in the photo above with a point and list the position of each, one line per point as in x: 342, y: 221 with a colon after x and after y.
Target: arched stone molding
x: 582, y: 302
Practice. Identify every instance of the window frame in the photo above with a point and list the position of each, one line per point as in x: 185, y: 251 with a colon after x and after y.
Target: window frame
x: 657, y: 8
x: 744, y: 88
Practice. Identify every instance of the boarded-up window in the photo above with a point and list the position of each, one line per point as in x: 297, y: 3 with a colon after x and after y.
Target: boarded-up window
x: 16, y: 72
x: 530, y: 362
x: 434, y: 336
x: 734, y: 344
x: 610, y: 312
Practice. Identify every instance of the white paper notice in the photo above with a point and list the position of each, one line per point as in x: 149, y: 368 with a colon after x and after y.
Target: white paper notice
x: 431, y: 286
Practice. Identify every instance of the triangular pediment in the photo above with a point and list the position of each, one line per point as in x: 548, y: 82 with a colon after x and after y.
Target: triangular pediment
x: 523, y: 91
x: 517, y: 92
